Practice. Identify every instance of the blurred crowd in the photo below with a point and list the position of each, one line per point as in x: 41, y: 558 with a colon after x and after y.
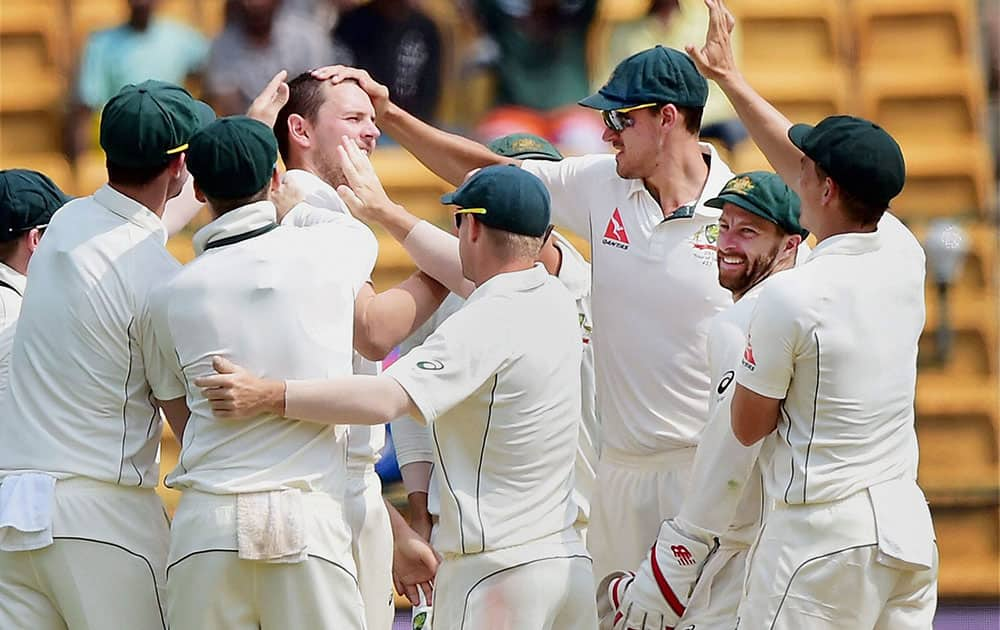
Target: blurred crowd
x: 537, y: 53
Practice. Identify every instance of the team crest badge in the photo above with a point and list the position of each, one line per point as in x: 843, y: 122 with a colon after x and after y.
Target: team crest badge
x: 739, y: 185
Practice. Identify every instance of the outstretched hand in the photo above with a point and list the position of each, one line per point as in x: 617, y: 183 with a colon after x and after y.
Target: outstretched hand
x: 235, y: 393
x: 715, y: 59
x: 285, y: 197
x: 378, y: 93
x: 364, y: 195
x: 271, y: 99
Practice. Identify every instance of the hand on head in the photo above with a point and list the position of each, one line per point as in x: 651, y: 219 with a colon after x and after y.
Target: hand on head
x: 715, y: 59
x: 378, y: 93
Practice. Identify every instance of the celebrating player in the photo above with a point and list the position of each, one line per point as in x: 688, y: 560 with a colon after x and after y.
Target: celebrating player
x: 500, y: 383
x: 827, y: 380
x: 759, y: 236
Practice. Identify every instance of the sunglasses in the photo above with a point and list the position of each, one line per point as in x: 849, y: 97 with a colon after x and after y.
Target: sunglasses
x: 618, y: 120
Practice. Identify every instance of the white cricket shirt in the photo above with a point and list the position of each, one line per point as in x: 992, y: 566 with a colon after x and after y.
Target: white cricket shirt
x: 655, y: 287
x: 11, y: 290
x: 836, y: 339
x: 320, y: 201
x: 499, y: 381
x: 85, y: 367
x: 262, y: 302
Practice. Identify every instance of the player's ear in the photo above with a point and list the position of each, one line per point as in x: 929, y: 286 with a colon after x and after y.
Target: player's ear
x: 299, y: 131
x: 198, y: 194
x: 275, y: 179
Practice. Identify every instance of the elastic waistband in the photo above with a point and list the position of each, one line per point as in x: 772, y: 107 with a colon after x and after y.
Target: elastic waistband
x: 655, y: 462
x: 191, y: 497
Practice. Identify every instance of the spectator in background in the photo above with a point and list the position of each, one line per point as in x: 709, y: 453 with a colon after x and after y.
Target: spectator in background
x: 400, y: 47
x: 673, y: 23
x: 144, y: 47
x: 257, y: 42
x: 541, y: 71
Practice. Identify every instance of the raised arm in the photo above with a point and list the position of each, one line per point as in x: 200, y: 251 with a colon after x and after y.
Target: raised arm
x: 447, y: 155
x: 767, y: 126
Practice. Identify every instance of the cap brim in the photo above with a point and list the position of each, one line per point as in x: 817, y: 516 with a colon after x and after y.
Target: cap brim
x: 449, y: 198
x: 736, y: 200
x: 603, y: 103
x: 797, y: 134
x: 537, y: 156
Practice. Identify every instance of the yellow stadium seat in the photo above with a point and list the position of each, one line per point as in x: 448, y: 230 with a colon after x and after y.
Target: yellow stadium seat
x: 87, y: 16
x: 972, y: 318
x: 32, y: 55
x: 91, y: 172
x: 409, y: 183
x: 211, y: 16
x: 790, y: 33
x: 169, y: 452
x: 946, y: 179
x: 621, y: 10
x: 805, y: 95
x: 930, y: 104
x: 915, y: 33
x: 55, y: 165
x: 185, y: 11
x: 30, y: 131
x: 968, y: 544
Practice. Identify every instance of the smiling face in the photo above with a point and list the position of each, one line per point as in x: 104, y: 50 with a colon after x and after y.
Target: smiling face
x: 346, y: 111
x: 750, y: 248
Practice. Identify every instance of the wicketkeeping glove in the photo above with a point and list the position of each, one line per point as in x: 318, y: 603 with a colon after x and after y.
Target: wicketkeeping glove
x: 656, y: 595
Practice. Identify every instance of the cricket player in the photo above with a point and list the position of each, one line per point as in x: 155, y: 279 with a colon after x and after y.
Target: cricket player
x: 827, y: 380
x: 28, y: 199
x: 759, y: 236
x: 561, y: 259
x: 499, y: 382
x: 309, y: 128
x: 654, y: 276
x: 85, y: 536
x: 261, y: 516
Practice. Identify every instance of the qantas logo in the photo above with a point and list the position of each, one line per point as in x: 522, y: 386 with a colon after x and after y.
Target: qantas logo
x: 615, y: 234
x: 682, y: 554
x: 748, y: 361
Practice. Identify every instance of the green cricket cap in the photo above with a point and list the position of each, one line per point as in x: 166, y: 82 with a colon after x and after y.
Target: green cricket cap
x: 857, y: 154
x: 655, y: 75
x: 28, y: 199
x: 765, y: 195
x: 505, y: 197
x: 525, y: 146
x: 233, y: 157
x: 146, y: 125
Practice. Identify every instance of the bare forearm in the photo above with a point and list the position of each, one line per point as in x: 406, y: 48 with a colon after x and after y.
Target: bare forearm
x: 392, y: 315
x: 436, y: 253
x: 346, y: 400
x: 768, y: 127
x: 177, y: 413
x: 448, y: 155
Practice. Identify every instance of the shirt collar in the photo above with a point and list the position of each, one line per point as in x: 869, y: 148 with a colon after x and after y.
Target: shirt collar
x: 574, y: 272
x: 13, y: 277
x: 130, y: 210
x: 511, y: 282
x: 316, y: 192
x: 244, y: 219
x: 718, y: 175
x: 848, y: 244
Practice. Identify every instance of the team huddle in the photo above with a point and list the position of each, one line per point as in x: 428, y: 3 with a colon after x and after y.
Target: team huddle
x: 708, y: 426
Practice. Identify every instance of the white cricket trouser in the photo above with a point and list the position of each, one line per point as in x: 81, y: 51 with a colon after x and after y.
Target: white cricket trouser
x: 371, y: 543
x: 716, y: 596
x: 632, y: 496
x: 543, y: 585
x: 814, y: 566
x: 104, y: 569
x: 210, y: 588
